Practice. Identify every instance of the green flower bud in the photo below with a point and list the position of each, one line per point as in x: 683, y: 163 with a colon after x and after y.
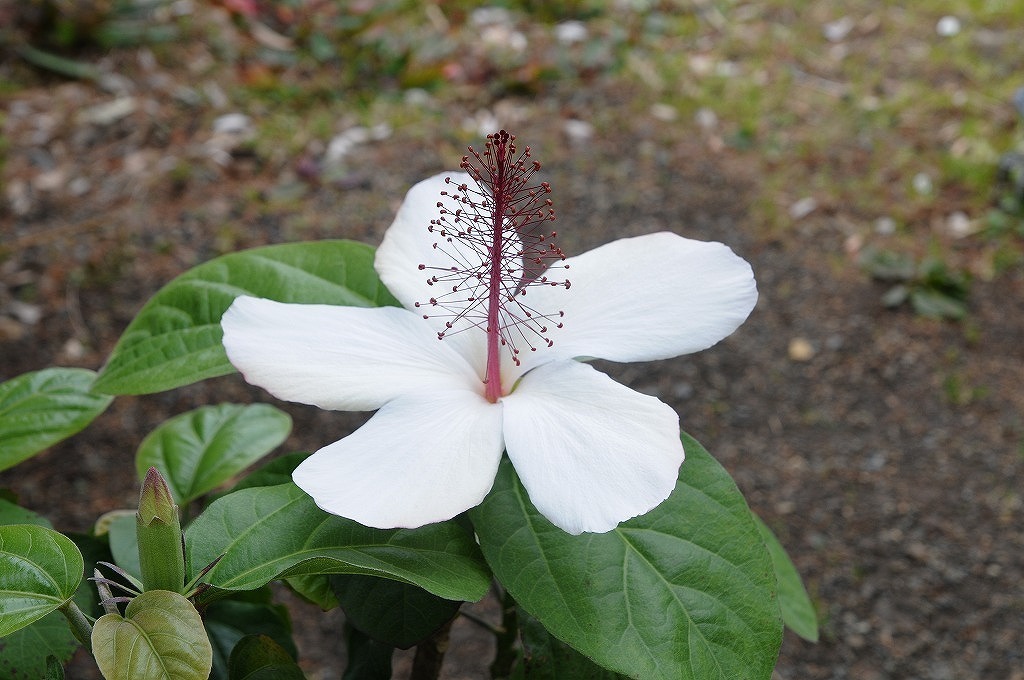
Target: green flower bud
x: 161, y: 556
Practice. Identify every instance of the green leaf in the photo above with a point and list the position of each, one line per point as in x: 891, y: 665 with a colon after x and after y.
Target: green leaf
x: 686, y: 591
x: 202, y: 449
x: 24, y: 653
x: 316, y: 588
x: 277, y: 471
x: 797, y: 610
x: 273, y: 532
x: 160, y: 637
x: 124, y: 540
x: 176, y: 338
x: 39, y: 571
x: 228, y: 621
x: 54, y: 669
x: 39, y: 409
x: 367, y: 658
x: 258, y: 657
x: 936, y: 304
x: 547, y: 658
x: 11, y: 513
x: 398, y: 614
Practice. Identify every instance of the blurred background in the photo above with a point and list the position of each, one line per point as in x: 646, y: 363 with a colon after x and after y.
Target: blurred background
x: 867, y: 158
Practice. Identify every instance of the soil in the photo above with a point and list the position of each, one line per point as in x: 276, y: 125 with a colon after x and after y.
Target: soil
x: 883, y: 448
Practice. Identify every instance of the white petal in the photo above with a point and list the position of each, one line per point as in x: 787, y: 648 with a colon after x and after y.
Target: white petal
x: 644, y: 298
x: 339, y: 358
x: 590, y: 452
x: 419, y: 460
x: 407, y: 244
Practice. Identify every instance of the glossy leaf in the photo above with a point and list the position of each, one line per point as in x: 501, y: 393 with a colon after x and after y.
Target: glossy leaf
x: 39, y: 409
x: 200, y: 450
x: 24, y: 653
x: 176, y: 338
x: 160, y: 637
x: 686, y: 591
x: 228, y: 621
x: 274, y: 472
x: 119, y: 525
x: 258, y: 657
x: 39, y: 571
x: 273, y: 532
x: 398, y: 614
x: 797, y: 610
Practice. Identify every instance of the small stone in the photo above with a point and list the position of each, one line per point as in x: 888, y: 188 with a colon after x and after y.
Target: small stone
x: 837, y: 30
x: 959, y: 225
x: 885, y: 226
x: 24, y: 312
x: 110, y: 112
x: 948, y: 26
x: 578, y: 131
x: 664, y: 112
x: 232, y: 124
x: 569, y: 32
x: 800, y: 349
x: 923, y: 184
x: 706, y: 118
x: 802, y: 208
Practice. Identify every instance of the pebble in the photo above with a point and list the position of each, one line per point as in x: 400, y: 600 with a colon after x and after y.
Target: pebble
x: 110, y: 112
x: 800, y: 349
x: 948, y: 26
x: 802, y: 208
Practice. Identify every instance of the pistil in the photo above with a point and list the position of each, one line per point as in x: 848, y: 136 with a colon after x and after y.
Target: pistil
x: 496, y: 252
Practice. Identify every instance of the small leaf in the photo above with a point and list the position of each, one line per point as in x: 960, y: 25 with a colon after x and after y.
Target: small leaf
x: 25, y: 652
x: 937, y: 304
x: 228, y: 621
x: 273, y: 532
x: 11, y: 513
x: 685, y: 592
x: 160, y: 637
x: 396, y: 613
x: 39, y: 571
x: 201, y: 449
x: 258, y: 657
x: 176, y: 338
x: 124, y: 540
x: 367, y: 658
x: 39, y: 409
x: 547, y: 658
x: 797, y: 609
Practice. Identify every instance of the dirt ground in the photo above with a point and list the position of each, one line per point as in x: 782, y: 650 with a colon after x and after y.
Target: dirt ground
x: 884, y: 449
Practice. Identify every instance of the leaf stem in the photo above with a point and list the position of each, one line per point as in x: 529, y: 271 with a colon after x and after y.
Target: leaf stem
x: 79, y: 622
x: 506, y: 636
x: 426, y: 665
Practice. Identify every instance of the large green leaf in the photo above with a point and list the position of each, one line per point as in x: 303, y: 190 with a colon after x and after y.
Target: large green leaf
x: 39, y: 409
x: 176, y: 338
x: 686, y: 591
x: 797, y: 610
x: 23, y: 653
x: 39, y: 571
x: 160, y: 637
x: 396, y: 613
x: 272, y: 532
x: 201, y: 449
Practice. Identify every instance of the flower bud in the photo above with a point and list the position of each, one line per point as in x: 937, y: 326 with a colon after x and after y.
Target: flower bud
x: 161, y: 557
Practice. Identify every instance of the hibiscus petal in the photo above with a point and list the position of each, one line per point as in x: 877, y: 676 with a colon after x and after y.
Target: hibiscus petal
x: 407, y: 243
x: 590, y: 452
x: 419, y: 460
x: 339, y: 358
x: 645, y: 298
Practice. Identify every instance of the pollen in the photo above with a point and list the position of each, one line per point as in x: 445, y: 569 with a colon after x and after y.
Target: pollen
x: 493, y: 246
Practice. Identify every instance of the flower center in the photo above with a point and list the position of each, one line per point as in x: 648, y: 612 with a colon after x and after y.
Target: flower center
x: 491, y: 233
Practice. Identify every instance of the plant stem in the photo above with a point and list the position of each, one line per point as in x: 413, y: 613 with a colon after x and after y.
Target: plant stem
x: 506, y: 636
x: 426, y: 665
x: 80, y: 626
